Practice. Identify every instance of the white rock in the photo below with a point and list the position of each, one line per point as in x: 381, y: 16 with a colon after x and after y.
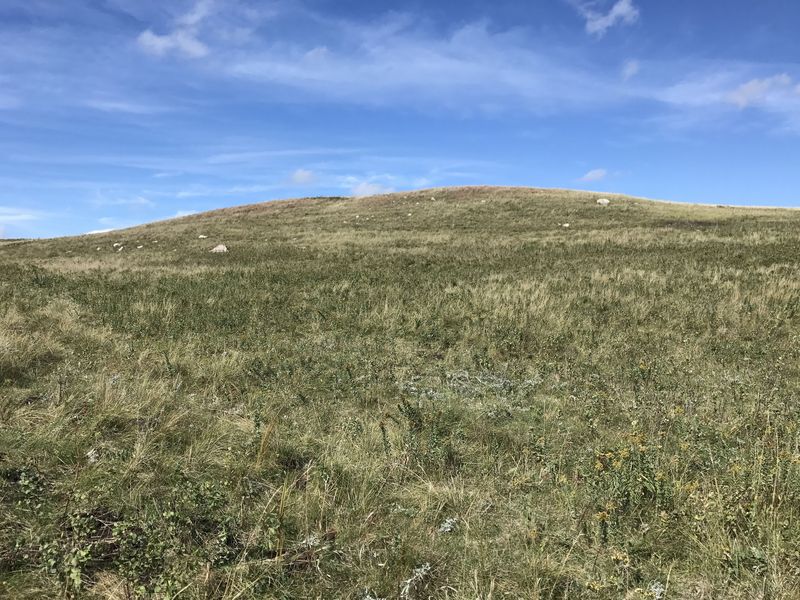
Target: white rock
x: 201, y: 237
x: 120, y: 249
x: 603, y: 201
x: 139, y: 247
x: 219, y: 249
x: 117, y: 244
x: 565, y: 225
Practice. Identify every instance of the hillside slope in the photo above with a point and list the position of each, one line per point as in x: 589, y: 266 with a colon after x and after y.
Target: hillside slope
x: 437, y: 394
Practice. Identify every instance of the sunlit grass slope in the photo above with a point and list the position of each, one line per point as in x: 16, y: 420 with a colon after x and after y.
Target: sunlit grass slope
x: 440, y: 394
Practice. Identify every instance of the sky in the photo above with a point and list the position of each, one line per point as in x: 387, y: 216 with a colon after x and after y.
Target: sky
x: 120, y: 112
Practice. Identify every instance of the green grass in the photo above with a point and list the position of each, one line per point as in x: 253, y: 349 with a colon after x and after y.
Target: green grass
x: 443, y: 394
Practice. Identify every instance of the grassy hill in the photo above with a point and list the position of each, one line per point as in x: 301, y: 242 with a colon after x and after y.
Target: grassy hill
x: 439, y: 394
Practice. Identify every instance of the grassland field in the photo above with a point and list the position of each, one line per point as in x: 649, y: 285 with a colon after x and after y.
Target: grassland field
x: 438, y: 394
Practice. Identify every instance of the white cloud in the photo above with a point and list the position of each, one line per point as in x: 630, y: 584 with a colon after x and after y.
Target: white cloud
x: 303, y: 177
x: 630, y: 69
x: 766, y: 90
x: 318, y: 53
x: 703, y: 95
x: 9, y: 215
x: 183, y: 40
x: 98, y: 231
x: 395, y: 61
x: 206, y: 191
x: 595, y: 175
x: 134, y: 201
x: 200, y: 12
x: 623, y: 12
x: 372, y: 184
x: 124, y: 106
x: 369, y: 188
x: 261, y: 156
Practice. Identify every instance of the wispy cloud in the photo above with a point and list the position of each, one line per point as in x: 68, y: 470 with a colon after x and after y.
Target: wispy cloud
x: 778, y: 89
x: 199, y: 12
x: 725, y: 87
x: 595, y: 175
x: 125, y: 106
x: 371, y: 185
x: 260, y: 156
x: 598, y: 22
x: 183, y: 40
x: 10, y: 215
x: 303, y: 177
x: 236, y: 190
x: 369, y: 188
x: 133, y: 201
x: 630, y: 69
x: 396, y: 61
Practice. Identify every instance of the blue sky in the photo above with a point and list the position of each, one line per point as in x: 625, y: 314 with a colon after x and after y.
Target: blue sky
x: 118, y: 112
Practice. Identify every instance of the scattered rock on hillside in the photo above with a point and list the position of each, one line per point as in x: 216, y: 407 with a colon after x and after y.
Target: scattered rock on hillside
x: 565, y: 225
x: 603, y: 201
x: 219, y: 249
x: 201, y: 237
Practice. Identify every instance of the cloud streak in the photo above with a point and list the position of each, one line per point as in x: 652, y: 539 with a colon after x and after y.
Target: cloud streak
x: 303, y: 177
x: 472, y: 69
x: 594, y: 175
x: 776, y: 90
x: 11, y: 215
x: 725, y: 88
x: 183, y: 40
x: 630, y: 69
x: 623, y: 12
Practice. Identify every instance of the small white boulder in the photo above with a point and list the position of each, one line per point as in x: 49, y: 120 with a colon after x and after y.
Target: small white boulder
x: 565, y: 225
x: 201, y: 237
x: 603, y: 201
x: 219, y: 249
